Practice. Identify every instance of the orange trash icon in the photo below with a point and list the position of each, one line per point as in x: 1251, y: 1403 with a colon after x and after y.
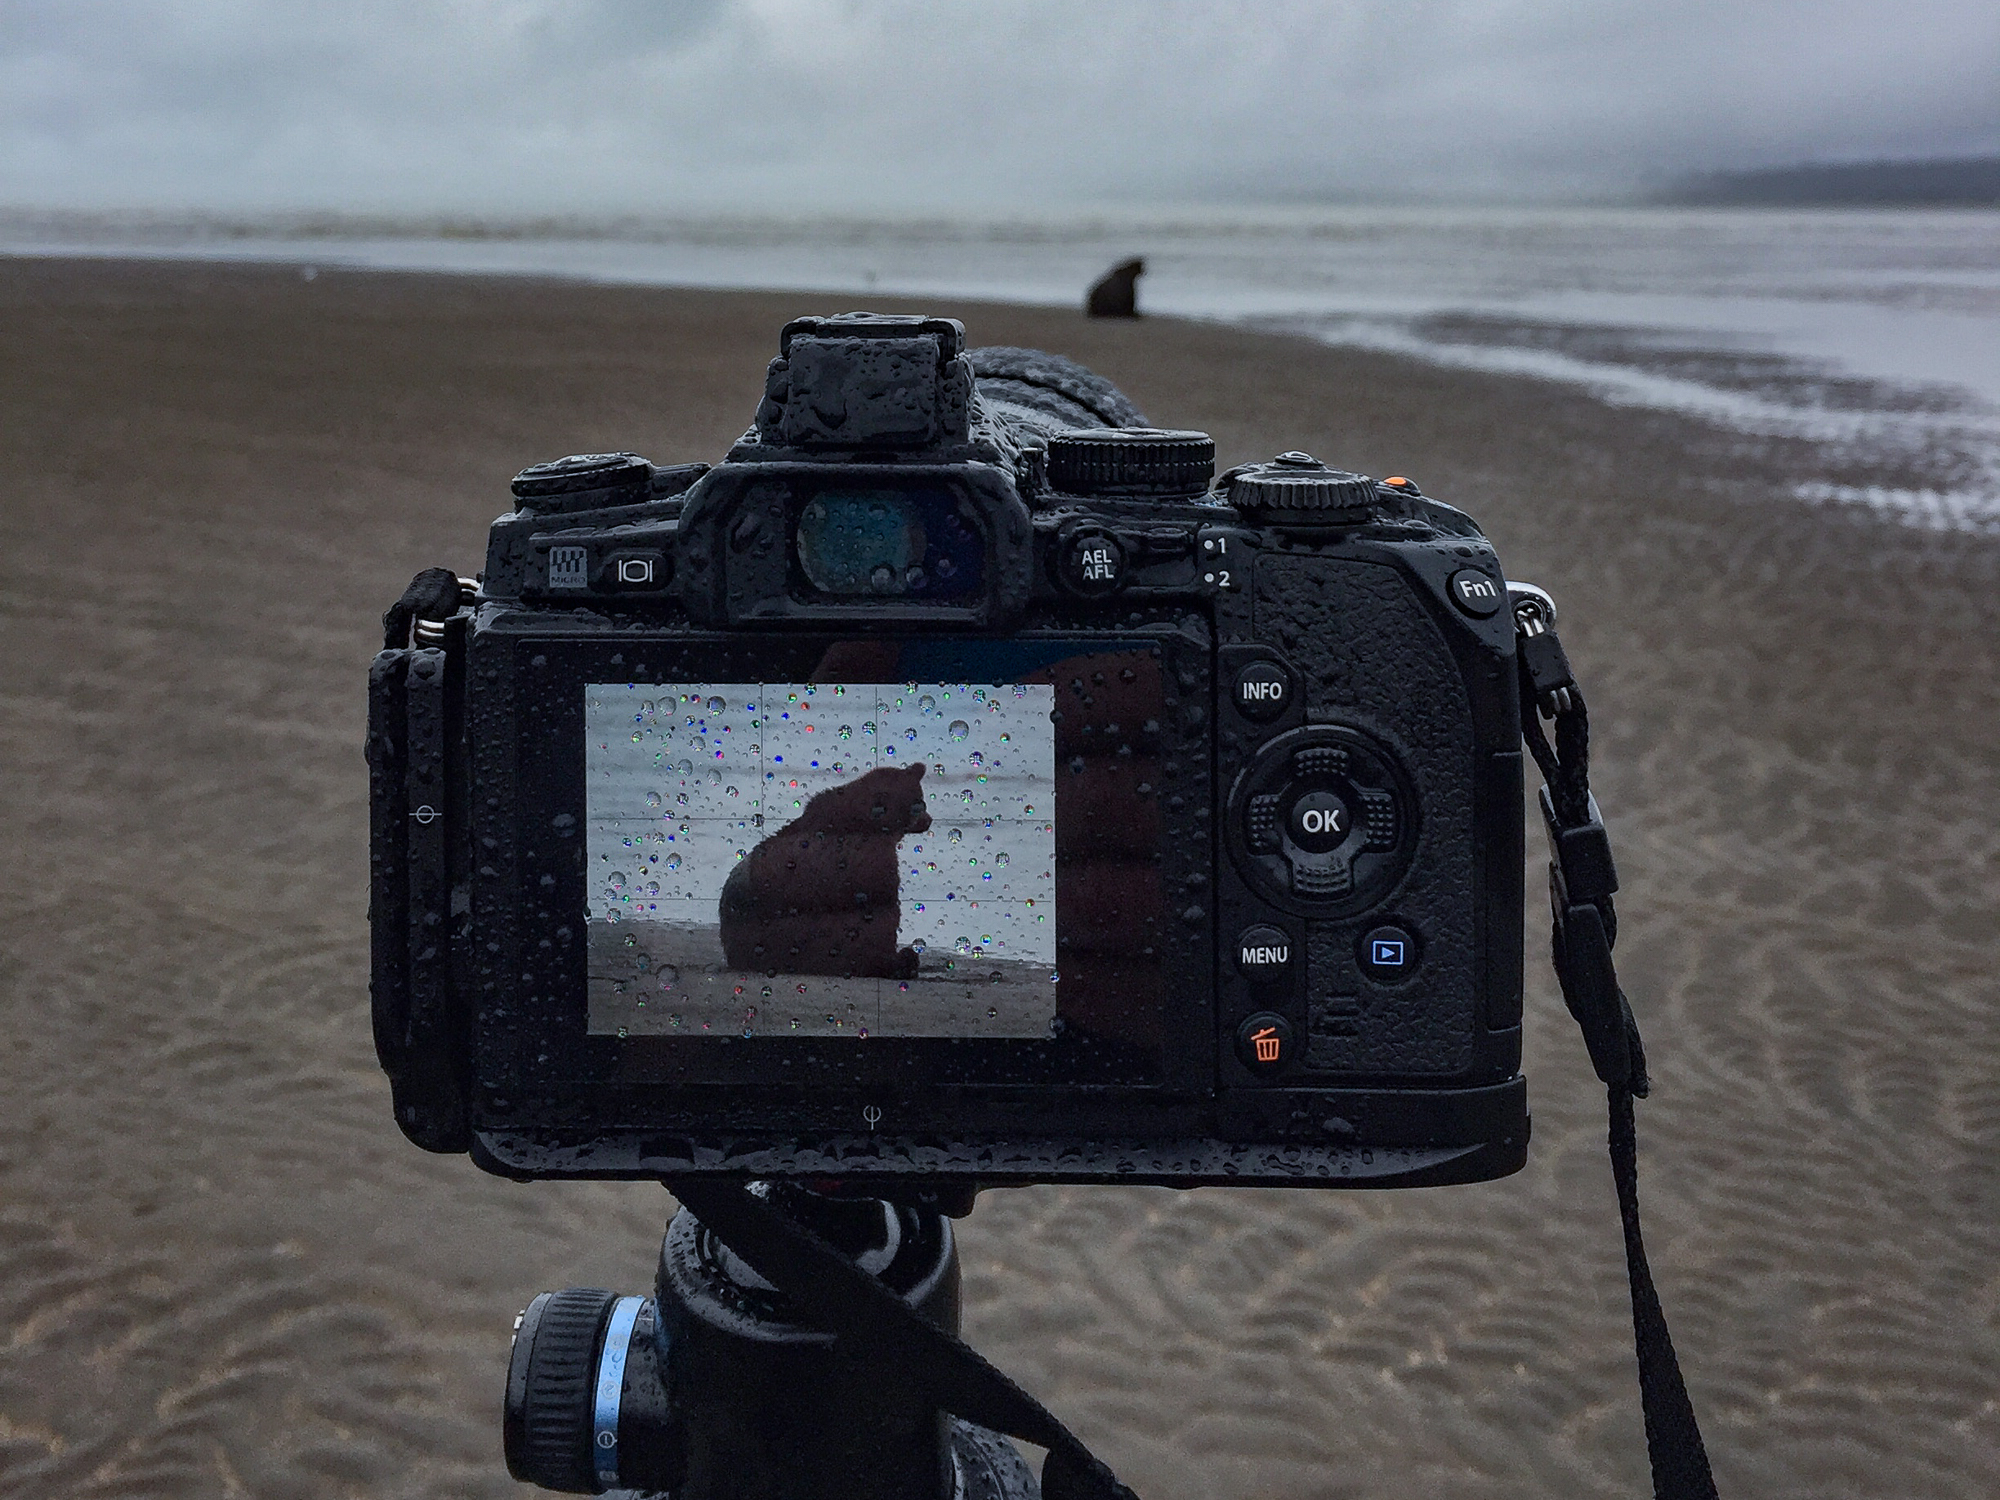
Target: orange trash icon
x: 1266, y: 1042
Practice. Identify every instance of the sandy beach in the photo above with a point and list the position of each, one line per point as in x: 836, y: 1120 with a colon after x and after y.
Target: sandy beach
x: 223, y: 1272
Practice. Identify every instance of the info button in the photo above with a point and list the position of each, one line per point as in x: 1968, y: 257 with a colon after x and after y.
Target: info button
x: 1263, y: 690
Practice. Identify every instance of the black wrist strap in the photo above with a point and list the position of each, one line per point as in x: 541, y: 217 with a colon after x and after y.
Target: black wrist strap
x: 1581, y: 883
x: 880, y: 1327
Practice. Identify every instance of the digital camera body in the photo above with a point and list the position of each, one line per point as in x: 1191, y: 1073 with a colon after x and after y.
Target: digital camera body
x: 954, y: 786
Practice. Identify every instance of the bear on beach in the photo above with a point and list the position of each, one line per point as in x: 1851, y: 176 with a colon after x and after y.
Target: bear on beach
x: 820, y: 896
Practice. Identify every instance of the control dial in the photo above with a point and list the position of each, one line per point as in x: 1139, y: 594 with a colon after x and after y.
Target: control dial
x: 1296, y: 487
x: 1323, y: 821
x: 1130, y: 461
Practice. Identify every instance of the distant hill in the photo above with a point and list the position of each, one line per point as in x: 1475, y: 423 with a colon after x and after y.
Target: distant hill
x: 1966, y: 182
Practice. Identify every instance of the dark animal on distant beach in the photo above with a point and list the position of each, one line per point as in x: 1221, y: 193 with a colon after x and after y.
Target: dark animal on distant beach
x: 820, y: 896
x: 1116, y: 294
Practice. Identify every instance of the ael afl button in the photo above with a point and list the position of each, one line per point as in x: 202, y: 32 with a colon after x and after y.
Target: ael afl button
x: 1263, y: 691
x: 1476, y: 593
x: 1264, y: 1042
x: 1263, y: 954
x: 1092, y: 563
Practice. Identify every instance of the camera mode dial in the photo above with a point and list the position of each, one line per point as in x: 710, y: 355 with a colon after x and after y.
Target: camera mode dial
x: 581, y: 482
x: 1130, y: 461
x: 1296, y: 487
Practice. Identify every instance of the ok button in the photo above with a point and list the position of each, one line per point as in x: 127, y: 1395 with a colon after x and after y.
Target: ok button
x: 1320, y: 821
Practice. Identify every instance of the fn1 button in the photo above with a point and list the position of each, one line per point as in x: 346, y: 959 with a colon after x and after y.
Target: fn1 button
x: 1263, y: 691
x: 1476, y: 593
x: 1263, y: 954
x: 1264, y: 1042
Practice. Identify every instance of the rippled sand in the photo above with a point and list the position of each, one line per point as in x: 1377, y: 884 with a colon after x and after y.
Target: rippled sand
x: 223, y: 1272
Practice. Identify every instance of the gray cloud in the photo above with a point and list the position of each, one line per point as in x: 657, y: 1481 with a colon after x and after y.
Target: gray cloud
x: 624, y: 105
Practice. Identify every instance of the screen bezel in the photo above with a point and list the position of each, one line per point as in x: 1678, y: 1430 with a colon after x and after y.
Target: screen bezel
x: 534, y: 1045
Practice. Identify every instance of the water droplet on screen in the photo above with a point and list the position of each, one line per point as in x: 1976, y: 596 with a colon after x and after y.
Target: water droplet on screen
x: 669, y: 976
x: 714, y: 705
x: 729, y: 791
x: 631, y: 939
x: 646, y: 707
x: 653, y: 799
x: 638, y: 735
x: 617, y: 880
x: 1000, y: 859
x: 883, y: 578
x: 954, y: 835
x: 847, y: 731
x: 927, y: 704
x: 611, y: 916
x: 978, y: 759
x: 674, y: 861
x: 685, y: 767
x: 959, y: 729
x: 715, y: 778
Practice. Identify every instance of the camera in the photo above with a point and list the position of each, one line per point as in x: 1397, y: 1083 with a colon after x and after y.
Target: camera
x: 958, y: 784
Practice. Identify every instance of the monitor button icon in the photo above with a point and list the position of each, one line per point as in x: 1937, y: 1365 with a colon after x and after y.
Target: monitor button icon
x: 1389, y: 953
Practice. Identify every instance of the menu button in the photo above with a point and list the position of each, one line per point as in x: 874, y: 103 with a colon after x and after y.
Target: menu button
x: 1263, y: 954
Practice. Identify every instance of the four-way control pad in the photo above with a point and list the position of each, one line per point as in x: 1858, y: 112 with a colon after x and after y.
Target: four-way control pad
x: 1323, y: 820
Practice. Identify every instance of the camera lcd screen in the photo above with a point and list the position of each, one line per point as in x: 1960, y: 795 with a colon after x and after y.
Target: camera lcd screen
x: 787, y: 859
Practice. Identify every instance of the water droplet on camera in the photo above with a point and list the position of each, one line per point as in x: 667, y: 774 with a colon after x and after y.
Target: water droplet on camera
x: 674, y: 861
x: 653, y: 799
x: 617, y: 880
x: 883, y: 578
x: 714, y: 705
x: 959, y: 729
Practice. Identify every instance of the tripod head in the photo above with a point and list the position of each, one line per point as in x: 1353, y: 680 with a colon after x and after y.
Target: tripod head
x: 722, y: 1387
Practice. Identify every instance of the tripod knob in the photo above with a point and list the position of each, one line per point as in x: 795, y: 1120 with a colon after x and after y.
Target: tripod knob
x: 585, y: 1407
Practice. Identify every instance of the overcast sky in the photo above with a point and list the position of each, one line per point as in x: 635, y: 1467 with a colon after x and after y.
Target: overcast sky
x: 652, y: 106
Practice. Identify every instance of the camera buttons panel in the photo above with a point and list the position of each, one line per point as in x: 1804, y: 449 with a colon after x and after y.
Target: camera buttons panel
x: 1091, y: 563
x: 1263, y: 954
x: 1264, y: 1042
x: 1388, y: 953
x: 1263, y: 691
x: 1323, y: 819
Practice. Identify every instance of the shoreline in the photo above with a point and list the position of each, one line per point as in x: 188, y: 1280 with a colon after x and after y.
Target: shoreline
x: 1874, y: 354
x: 220, y: 1263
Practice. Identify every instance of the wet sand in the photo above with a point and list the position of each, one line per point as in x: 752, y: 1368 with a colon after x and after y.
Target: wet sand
x: 223, y: 1272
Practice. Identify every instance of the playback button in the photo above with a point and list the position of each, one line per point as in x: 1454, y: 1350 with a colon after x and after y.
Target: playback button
x: 1388, y: 953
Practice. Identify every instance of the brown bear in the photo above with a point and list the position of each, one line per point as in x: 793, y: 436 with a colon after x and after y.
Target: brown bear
x: 820, y: 896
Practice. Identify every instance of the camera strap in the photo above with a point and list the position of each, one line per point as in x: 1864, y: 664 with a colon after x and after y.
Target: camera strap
x: 880, y: 1328
x: 1581, y: 883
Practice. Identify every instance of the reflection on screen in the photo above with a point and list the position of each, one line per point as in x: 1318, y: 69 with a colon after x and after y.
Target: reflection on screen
x: 816, y: 860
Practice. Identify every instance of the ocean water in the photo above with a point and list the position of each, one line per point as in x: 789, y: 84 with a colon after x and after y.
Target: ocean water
x: 1876, y: 334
